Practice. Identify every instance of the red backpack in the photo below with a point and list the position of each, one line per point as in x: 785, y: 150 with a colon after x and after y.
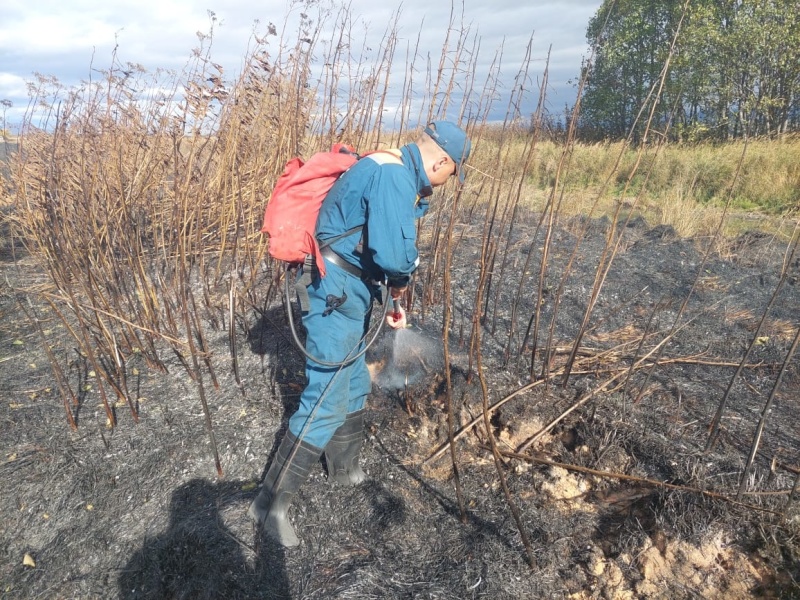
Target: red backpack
x: 290, y: 218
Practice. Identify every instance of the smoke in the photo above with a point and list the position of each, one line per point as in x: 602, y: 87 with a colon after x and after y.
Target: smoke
x: 403, y: 357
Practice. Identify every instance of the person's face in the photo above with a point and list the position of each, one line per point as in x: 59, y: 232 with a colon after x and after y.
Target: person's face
x: 441, y: 171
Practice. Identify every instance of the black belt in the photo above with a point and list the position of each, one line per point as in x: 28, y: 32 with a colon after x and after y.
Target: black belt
x: 332, y: 257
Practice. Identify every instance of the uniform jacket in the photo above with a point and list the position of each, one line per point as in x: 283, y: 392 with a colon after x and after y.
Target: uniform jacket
x: 385, y: 197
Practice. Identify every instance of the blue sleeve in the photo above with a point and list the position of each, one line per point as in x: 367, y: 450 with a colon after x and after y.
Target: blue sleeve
x: 422, y: 207
x: 391, y: 227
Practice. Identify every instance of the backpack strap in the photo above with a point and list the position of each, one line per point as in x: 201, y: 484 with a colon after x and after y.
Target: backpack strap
x: 383, y: 157
x: 301, y: 282
x: 390, y: 156
x: 336, y: 238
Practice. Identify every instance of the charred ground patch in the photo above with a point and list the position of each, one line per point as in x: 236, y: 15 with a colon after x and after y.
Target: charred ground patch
x: 137, y: 511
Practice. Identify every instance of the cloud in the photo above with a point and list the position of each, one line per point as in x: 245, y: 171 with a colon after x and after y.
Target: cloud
x: 148, y: 31
x: 556, y: 28
x: 12, y: 86
x: 41, y: 35
x: 71, y: 39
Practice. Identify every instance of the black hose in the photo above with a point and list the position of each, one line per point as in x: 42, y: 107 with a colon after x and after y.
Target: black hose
x: 326, y: 363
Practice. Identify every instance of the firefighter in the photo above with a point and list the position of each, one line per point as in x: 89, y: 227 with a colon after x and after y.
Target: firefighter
x: 379, y: 198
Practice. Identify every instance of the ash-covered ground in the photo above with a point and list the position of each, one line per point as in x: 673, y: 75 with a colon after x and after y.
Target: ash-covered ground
x: 139, y: 511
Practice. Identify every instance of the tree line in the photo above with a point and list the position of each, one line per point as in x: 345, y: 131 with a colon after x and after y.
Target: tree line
x: 732, y: 69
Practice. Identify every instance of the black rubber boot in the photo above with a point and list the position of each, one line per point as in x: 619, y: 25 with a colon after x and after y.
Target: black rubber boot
x: 342, y: 452
x: 284, y: 478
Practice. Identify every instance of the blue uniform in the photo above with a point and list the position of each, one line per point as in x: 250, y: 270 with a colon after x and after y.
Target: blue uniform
x: 382, y: 195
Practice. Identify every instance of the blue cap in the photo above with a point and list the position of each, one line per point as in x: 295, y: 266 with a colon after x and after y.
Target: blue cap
x: 453, y: 140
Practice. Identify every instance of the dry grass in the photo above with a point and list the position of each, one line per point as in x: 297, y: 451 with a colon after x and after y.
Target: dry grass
x: 686, y: 188
x: 688, y: 217
x: 625, y: 334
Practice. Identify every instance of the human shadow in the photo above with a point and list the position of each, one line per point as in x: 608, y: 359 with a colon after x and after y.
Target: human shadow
x: 270, y: 337
x: 197, y: 557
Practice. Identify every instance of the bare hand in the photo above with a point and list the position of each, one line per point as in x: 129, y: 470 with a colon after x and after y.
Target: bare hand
x: 397, y: 292
x: 397, y: 320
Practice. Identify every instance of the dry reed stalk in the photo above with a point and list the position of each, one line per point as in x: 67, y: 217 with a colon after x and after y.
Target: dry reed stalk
x: 529, y: 153
x: 640, y: 480
x: 715, y: 421
x: 765, y: 413
x: 62, y: 382
x: 435, y: 269
x: 232, y: 338
x: 499, y: 467
x: 612, y: 244
x: 446, y: 322
x: 187, y: 320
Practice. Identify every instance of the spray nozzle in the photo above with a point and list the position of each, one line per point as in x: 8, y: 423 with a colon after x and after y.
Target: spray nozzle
x: 396, y: 308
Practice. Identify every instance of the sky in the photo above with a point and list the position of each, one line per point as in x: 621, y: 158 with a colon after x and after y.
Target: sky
x: 67, y: 40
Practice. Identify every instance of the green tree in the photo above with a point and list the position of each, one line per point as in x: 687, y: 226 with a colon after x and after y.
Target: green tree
x: 736, y: 69
x: 632, y: 40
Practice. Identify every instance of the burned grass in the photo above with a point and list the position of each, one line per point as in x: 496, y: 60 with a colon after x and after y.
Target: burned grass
x: 138, y: 511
